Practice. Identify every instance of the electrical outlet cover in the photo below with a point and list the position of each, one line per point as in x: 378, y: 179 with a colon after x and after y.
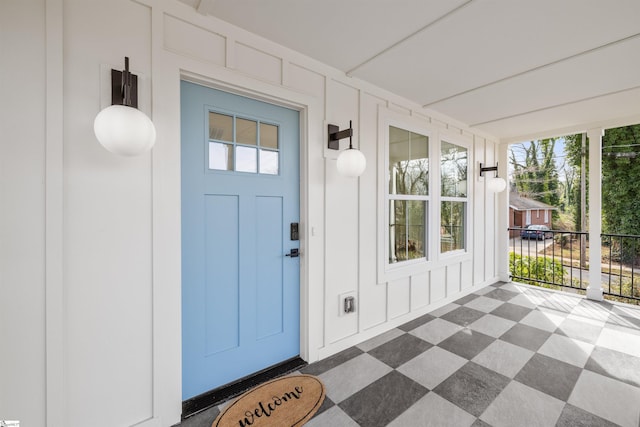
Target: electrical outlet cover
x: 341, y: 304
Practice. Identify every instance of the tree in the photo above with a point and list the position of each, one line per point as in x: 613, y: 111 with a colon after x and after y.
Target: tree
x: 535, y: 174
x: 576, y: 150
x: 573, y: 154
x: 408, y: 177
x: 570, y: 176
x: 620, y: 186
x: 621, y: 180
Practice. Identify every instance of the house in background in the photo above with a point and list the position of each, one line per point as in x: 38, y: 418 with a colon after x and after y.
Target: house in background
x: 524, y: 211
x: 94, y: 247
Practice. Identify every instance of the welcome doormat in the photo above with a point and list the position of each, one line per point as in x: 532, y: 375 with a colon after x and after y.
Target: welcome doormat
x: 283, y: 402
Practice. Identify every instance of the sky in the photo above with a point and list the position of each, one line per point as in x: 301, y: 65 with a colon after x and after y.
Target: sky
x: 559, y: 155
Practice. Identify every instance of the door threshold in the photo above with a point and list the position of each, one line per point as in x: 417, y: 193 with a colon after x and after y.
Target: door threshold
x: 221, y: 394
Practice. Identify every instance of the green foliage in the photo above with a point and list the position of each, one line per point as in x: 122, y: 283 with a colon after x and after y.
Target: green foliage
x: 534, y: 270
x: 565, y: 240
x: 621, y: 180
x: 536, y: 176
x: 573, y: 152
x: 624, y: 288
x: 628, y: 294
x: 620, y: 189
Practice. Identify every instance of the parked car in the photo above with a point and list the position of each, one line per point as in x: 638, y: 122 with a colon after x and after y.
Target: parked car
x: 534, y: 231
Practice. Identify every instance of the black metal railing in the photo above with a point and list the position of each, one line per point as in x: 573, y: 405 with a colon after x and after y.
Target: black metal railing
x: 560, y: 259
x: 621, y: 261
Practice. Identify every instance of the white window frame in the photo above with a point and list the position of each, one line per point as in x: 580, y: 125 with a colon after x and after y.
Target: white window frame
x: 391, y: 271
x: 460, y: 141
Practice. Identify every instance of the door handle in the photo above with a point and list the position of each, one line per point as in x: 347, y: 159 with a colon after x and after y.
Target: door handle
x: 293, y: 253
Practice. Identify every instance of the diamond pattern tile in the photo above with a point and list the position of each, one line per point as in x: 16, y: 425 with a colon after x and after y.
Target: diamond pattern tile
x: 519, y: 405
x: 382, y: 401
x: 550, y: 376
x: 511, y: 311
x: 624, y: 321
x: 436, y: 331
x: 525, y: 300
x: 618, y: 340
x: 607, y: 398
x: 583, y: 331
x: 379, y: 340
x: 332, y: 362
x: 467, y: 343
x: 504, y: 358
x: 432, y: 367
x: 411, y: 347
x: 501, y: 294
x: 417, y: 322
x: 472, y: 388
x: 492, y: 325
x: 614, y: 364
x: 434, y: 411
x: 545, y: 320
x: 360, y: 372
x: 444, y: 309
x: 504, y: 355
x: 526, y: 336
x: 463, y: 316
x: 332, y: 417
x: 572, y: 416
x: 465, y: 299
x: 567, y: 349
x: 484, y: 304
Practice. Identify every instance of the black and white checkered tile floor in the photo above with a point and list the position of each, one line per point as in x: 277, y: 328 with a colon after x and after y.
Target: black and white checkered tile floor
x: 506, y: 355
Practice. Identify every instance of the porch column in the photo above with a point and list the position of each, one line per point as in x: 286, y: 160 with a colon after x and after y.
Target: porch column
x: 594, y: 290
x: 502, y: 212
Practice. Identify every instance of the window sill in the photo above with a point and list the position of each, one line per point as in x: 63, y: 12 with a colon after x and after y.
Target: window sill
x: 391, y: 273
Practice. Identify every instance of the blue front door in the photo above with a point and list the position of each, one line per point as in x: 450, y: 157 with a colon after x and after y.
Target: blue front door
x: 240, y: 193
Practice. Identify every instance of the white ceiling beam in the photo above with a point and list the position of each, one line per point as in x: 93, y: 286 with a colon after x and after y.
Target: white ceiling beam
x: 399, y: 42
x: 572, y: 130
x: 205, y: 7
x: 532, y: 70
x: 551, y: 107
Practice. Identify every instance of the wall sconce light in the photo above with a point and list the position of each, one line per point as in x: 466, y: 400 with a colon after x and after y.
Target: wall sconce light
x: 351, y: 162
x: 121, y: 128
x: 495, y: 184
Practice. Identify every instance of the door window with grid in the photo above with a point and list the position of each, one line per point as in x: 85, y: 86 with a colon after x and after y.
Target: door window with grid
x: 243, y: 145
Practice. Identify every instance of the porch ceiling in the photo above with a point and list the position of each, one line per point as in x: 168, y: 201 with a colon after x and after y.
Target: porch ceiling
x: 509, y: 68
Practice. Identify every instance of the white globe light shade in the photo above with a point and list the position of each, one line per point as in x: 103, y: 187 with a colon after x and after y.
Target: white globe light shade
x: 351, y: 162
x: 496, y: 184
x: 124, y: 130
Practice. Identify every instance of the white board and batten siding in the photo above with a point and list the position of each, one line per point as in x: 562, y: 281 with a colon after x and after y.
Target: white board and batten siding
x: 114, y: 356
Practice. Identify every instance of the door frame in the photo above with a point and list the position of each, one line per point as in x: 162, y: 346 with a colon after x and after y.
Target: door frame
x: 170, y: 69
x: 279, y: 118
x: 302, y: 110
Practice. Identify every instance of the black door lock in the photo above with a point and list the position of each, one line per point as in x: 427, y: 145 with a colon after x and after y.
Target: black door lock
x: 294, y: 253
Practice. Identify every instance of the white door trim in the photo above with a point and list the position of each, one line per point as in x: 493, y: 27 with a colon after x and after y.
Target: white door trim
x: 168, y: 70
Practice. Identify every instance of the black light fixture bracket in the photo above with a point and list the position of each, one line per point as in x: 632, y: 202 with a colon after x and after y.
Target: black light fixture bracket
x: 489, y: 169
x: 335, y: 135
x: 124, y: 86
